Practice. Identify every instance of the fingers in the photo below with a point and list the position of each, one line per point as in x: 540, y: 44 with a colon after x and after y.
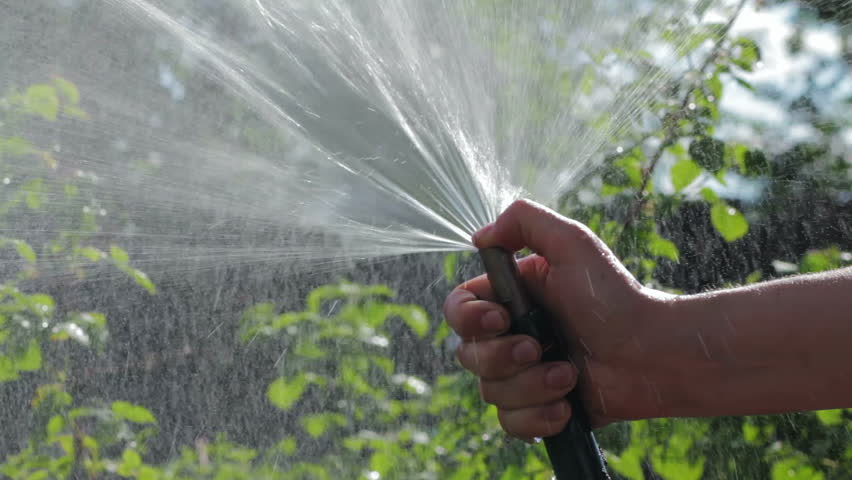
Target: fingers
x: 472, y: 316
x: 499, y: 358
x: 539, y: 421
x: 527, y: 224
x: 538, y: 385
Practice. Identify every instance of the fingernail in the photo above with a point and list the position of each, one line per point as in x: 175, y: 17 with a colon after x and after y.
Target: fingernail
x: 483, y: 236
x: 525, y: 352
x: 557, y: 411
x: 494, y: 321
x: 560, y: 376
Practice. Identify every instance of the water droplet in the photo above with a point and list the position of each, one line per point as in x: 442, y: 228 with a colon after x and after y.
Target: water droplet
x: 374, y: 475
x: 7, y: 181
x: 102, y: 212
x: 711, y: 98
x: 691, y: 106
x: 44, y: 308
x: 732, y: 211
x: 619, y: 149
x: 86, y: 209
x: 44, y: 325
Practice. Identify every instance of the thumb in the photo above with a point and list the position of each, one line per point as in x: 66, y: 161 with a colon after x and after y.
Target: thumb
x: 526, y: 224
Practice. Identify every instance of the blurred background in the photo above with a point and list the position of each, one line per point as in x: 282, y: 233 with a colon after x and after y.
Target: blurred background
x: 136, y: 342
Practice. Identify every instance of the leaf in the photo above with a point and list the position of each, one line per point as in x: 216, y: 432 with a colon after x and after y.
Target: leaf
x: 684, y: 173
x: 709, y: 195
x: 728, y: 221
x: 130, y: 461
x: 746, y: 53
x: 7, y: 369
x: 795, y: 468
x: 755, y: 164
x: 283, y: 394
x: 820, y: 261
x: 142, y: 280
x: 288, y: 445
x: 318, y: 423
x: 714, y: 84
x: 830, y: 418
x: 55, y: 425
x: 67, y: 90
x: 119, y: 256
x: 91, y: 253
x: 660, y: 247
x: 416, y: 319
x: 34, y: 192
x: 451, y: 261
x: 629, y: 463
x: 133, y: 413
x: 31, y: 358
x: 382, y: 463
x: 25, y: 251
x: 42, y: 100
x: 708, y: 152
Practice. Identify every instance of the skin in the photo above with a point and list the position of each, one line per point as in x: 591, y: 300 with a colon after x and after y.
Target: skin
x: 779, y: 346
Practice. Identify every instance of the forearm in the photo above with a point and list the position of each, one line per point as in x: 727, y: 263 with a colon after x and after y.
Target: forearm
x: 774, y: 347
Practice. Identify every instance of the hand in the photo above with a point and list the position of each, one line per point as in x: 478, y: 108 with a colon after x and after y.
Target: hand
x: 602, y: 310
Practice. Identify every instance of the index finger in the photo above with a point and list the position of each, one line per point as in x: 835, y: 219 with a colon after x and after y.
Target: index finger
x: 471, y: 315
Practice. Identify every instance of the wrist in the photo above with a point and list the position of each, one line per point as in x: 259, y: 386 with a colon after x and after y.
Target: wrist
x: 689, y: 361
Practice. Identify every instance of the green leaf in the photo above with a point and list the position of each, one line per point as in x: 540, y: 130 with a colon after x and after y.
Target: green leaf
x: 714, y: 85
x: 288, y: 445
x: 25, y: 251
x: 755, y: 164
x: 309, y: 349
x: 451, y: 261
x: 130, y: 461
x: 416, y: 319
x: 820, y: 261
x: 31, y: 358
x: 728, y: 221
x: 283, y: 394
x: 629, y: 463
x: 142, y: 280
x: 684, y: 173
x: 119, y: 256
x: 133, y: 413
x: 708, y: 152
x: 67, y: 90
x: 382, y: 463
x: 90, y: 253
x: 830, y: 418
x: 318, y: 423
x: 709, y: 195
x: 795, y: 468
x: 746, y: 53
x: 55, y: 425
x: 660, y: 247
x: 7, y: 369
x: 587, y: 81
x: 42, y: 100
x: 754, y: 277
x: 34, y: 193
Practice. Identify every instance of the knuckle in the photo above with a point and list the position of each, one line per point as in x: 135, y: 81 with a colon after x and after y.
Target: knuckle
x: 519, y: 207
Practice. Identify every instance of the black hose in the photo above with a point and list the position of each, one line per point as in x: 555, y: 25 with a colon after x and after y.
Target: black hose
x: 574, y: 452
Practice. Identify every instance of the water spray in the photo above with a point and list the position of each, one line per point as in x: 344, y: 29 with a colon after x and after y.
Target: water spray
x: 574, y: 452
